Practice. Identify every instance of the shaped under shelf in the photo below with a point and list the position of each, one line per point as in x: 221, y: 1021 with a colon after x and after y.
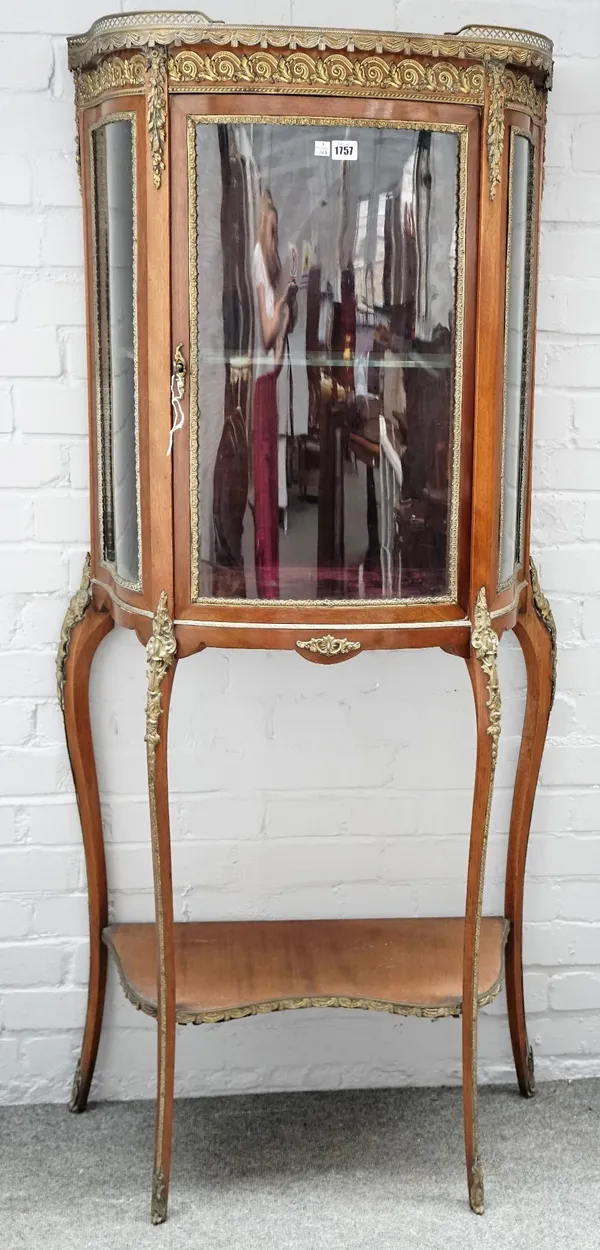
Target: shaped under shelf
x: 226, y: 970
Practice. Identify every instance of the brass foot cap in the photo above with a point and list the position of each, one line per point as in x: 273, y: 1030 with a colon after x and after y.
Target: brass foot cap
x: 158, y: 1206
x: 529, y: 1090
x: 78, y: 1099
x: 476, y: 1190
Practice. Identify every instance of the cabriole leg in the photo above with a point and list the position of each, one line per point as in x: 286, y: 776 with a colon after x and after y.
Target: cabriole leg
x: 161, y: 662
x: 536, y: 632
x: 83, y: 629
x: 486, y: 691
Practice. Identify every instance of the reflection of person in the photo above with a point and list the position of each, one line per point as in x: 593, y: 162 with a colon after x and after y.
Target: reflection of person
x: 273, y: 319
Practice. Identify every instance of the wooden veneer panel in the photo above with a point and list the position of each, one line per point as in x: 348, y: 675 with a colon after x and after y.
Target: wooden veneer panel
x: 229, y: 968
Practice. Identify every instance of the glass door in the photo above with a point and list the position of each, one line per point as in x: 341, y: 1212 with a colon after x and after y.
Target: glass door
x: 325, y: 300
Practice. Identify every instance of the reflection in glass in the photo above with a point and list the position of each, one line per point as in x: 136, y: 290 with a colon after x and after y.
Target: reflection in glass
x: 117, y: 397
x: 516, y: 380
x: 325, y: 326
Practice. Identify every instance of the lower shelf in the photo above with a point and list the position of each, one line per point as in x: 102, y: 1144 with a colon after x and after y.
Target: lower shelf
x: 226, y: 969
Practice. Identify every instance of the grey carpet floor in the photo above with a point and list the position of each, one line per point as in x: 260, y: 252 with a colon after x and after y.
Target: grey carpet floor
x: 364, y: 1170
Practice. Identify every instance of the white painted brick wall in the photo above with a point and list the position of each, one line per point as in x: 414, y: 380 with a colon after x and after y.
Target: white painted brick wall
x: 297, y: 790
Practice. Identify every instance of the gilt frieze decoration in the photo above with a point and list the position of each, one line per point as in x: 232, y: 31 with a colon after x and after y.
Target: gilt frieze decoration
x: 298, y: 69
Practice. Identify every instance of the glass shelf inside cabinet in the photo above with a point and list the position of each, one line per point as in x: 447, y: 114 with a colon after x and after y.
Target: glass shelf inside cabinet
x: 325, y: 370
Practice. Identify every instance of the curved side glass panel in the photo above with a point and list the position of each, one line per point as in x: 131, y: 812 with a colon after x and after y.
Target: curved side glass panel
x: 517, y: 368
x: 113, y: 164
x: 326, y: 310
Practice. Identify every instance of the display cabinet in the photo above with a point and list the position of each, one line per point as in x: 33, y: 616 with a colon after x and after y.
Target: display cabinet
x: 311, y: 262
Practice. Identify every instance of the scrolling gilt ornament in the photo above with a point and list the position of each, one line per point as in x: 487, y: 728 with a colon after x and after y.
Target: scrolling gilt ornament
x: 521, y: 92
x: 507, y: 89
x: 78, y: 156
x: 116, y: 73
x: 75, y: 613
x: 328, y: 646
x: 484, y: 643
x: 495, y: 126
x: 224, y: 1014
x: 160, y: 653
x: 545, y: 614
x: 157, y: 110
x: 333, y: 72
